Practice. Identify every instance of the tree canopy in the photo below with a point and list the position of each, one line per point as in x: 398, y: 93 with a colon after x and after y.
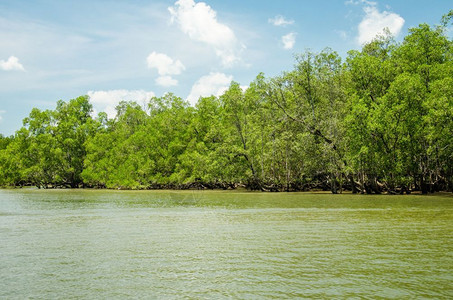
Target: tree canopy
x: 378, y: 121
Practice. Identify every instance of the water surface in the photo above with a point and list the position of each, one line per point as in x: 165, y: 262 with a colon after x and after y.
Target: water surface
x: 200, y: 244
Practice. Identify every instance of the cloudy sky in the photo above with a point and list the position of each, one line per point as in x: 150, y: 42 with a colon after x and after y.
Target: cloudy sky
x: 133, y: 50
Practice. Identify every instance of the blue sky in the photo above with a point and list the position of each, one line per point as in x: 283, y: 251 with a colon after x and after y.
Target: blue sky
x: 133, y: 50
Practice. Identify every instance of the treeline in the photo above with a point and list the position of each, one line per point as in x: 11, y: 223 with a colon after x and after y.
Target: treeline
x: 380, y: 121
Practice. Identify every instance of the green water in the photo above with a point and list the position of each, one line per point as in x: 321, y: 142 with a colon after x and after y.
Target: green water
x: 158, y: 244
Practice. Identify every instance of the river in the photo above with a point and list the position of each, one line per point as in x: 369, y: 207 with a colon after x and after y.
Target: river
x: 66, y: 244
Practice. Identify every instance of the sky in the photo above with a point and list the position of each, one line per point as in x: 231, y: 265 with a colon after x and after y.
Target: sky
x: 134, y: 50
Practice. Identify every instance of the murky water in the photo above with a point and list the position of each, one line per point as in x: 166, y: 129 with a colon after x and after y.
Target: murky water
x: 158, y: 244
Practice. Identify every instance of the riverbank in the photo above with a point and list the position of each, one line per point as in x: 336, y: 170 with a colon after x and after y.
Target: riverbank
x: 236, y: 189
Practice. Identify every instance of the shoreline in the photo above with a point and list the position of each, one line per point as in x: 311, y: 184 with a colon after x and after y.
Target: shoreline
x: 236, y: 190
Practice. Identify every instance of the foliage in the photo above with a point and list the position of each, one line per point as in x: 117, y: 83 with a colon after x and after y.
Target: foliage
x: 379, y: 121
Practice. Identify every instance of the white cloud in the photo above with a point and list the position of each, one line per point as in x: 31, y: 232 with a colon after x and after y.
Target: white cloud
x: 164, y: 64
x: 279, y: 20
x: 107, y: 100
x: 166, y: 81
x: 199, y: 22
x: 2, y: 112
x: 11, y: 64
x: 289, y: 40
x: 374, y: 23
x: 213, y: 84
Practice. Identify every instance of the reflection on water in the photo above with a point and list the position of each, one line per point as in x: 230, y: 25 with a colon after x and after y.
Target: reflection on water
x: 166, y: 244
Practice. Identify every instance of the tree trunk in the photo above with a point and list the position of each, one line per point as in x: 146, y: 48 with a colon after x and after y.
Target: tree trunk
x: 351, y: 181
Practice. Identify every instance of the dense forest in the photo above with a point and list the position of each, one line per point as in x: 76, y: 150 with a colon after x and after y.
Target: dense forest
x: 378, y: 121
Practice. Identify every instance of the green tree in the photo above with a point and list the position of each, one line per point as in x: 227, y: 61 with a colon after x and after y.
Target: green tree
x: 313, y: 97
